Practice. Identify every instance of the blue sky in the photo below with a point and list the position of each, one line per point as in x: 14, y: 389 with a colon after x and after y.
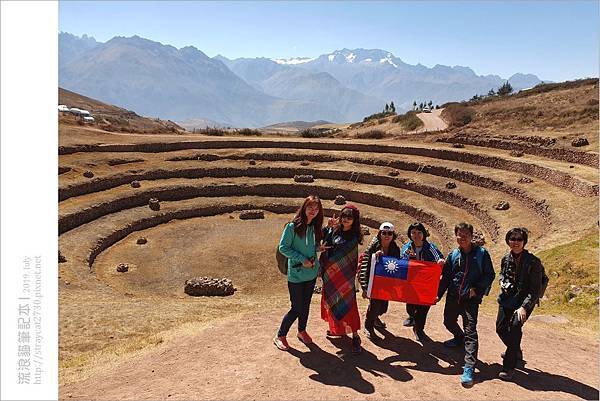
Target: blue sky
x: 556, y: 40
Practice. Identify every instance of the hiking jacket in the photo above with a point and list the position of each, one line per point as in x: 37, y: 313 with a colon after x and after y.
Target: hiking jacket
x: 520, y: 281
x: 365, y: 260
x: 297, y: 249
x: 429, y: 252
x: 462, y: 273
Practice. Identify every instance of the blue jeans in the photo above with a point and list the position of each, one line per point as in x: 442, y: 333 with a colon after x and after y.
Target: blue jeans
x: 300, y: 296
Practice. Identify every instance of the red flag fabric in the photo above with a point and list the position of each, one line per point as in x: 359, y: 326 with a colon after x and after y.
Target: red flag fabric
x: 404, y: 280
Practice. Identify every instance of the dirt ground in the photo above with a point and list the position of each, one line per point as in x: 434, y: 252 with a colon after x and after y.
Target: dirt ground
x: 432, y: 121
x: 138, y: 336
x: 236, y: 360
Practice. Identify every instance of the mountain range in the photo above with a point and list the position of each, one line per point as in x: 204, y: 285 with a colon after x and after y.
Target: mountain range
x: 185, y: 84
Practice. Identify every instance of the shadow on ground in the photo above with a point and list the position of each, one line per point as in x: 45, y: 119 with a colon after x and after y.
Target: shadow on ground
x: 343, y: 369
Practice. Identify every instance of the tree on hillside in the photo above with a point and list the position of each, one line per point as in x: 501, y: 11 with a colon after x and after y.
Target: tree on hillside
x: 421, y: 106
x: 414, y: 105
x: 429, y: 104
x: 505, y: 89
x: 392, y: 107
x: 387, y: 108
x: 491, y: 92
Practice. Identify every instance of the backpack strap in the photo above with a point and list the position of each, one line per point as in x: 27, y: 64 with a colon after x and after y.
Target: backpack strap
x: 405, y: 248
x: 479, y: 256
x: 453, y: 255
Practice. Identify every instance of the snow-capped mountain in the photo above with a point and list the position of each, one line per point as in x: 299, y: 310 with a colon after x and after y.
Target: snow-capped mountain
x: 179, y: 84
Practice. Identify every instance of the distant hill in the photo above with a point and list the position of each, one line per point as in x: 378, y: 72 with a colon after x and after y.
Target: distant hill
x: 113, y: 118
x: 160, y: 80
x: 338, y: 102
x: 185, y: 84
x: 380, y: 74
x: 71, y: 46
x: 295, y: 125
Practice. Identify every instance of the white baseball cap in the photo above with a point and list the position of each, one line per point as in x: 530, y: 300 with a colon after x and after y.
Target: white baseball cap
x: 386, y: 226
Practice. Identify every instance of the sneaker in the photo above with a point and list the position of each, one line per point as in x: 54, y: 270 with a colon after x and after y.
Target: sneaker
x: 356, y: 348
x: 409, y: 322
x: 378, y: 323
x: 466, y: 379
x: 506, y: 375
x: 520, y: 361
x: 453, y: 342
x: 420, y: 336
x: 304, y: 337
x: 370, y: 333
x: 281, y: 343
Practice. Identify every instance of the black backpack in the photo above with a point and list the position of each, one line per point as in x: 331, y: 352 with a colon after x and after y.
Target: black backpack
x: 545, y: 280
x: 282, y: 260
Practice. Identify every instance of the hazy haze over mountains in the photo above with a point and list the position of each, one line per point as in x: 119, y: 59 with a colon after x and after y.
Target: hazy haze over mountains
x: 184, y: 84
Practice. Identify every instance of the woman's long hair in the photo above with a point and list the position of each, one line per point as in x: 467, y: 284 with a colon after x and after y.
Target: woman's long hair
x: 300, y: 222
x: 355, y: 228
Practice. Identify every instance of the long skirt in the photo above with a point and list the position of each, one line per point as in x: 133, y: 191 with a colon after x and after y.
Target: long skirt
x: 348, y: 324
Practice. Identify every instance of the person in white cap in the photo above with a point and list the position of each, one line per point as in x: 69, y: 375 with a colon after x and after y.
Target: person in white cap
x: 383, y: 244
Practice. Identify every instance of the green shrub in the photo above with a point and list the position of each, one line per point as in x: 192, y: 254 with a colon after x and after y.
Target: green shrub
x: 315, y: 133
x: 211, y: 131
x: 248, y: 132
x: 373, y: 134
x: 409, y: 121
x: 458, y: 114
x: 377, y: 116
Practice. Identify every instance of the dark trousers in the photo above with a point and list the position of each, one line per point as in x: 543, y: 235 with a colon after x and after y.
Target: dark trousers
x: 419, y: 314
x: 510, y: 335
x: 300, y: 296
x: 468, y: 311
x: 376, y: 308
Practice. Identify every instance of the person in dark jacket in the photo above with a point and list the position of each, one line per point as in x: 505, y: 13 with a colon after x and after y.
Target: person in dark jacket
x: 520, y: 284
x: 420, y: 249
x: 383, y: 244
x: 466, y: 277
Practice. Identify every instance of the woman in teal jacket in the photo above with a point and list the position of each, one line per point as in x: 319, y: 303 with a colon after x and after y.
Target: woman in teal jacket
x: 299, y: 243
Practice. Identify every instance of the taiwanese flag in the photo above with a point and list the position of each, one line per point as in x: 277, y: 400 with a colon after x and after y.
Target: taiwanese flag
x: 404, y: 280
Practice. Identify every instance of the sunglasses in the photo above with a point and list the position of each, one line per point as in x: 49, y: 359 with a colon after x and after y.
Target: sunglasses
x: 515, y: 239
x: 387, y: 233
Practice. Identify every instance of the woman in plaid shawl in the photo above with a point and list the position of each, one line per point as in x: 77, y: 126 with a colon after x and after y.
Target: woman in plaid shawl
x: 338, y: 270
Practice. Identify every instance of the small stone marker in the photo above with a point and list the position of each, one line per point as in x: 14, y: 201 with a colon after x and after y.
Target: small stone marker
x: 450, y: 185
x: 154, y: 204
x: 141, y: 241
x: 122, y: 267
x: 303, y: 178
x: 339, y: 200
x: 525, y: 180
x: 502, y: 205
x: 88, y: 174
x: 577, y: 142
x: 135, y: 184
x: 252, y: 214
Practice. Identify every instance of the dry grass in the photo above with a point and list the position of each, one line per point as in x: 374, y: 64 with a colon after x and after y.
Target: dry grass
x: 458, y: 114
x: 563, y: 111
x: 409, y: 121
x: 112, y: 118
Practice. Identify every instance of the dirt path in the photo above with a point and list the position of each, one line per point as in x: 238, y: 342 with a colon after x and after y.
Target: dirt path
x: 236, y: 360
x: 432, y: 121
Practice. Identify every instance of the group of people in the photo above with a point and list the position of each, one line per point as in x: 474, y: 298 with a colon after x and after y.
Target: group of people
x: 467, y: 274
